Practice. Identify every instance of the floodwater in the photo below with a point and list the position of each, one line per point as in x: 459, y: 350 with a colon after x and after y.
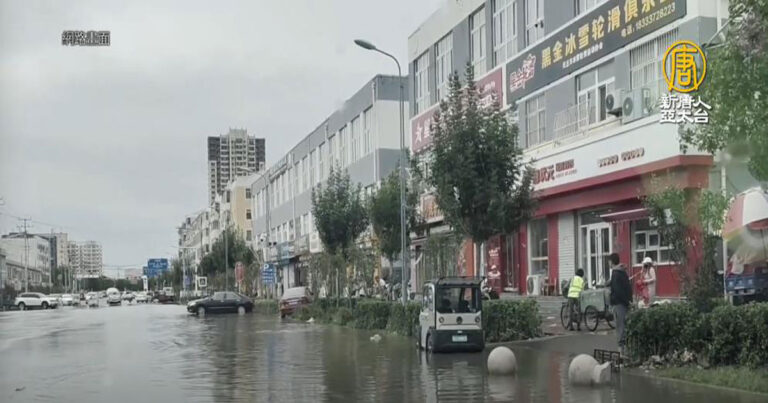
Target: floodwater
x: 158, y: 353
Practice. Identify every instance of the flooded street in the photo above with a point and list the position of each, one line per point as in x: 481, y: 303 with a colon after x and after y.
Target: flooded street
x: 154, y: 353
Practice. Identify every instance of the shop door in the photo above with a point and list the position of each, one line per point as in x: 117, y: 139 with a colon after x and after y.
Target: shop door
x: 595, y: 250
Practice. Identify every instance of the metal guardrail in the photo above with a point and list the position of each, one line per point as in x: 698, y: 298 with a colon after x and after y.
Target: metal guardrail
x: 572, y: 121
x: 614, y: 357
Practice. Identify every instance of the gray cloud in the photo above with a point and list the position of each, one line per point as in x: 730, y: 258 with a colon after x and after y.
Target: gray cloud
x: 109, y: 143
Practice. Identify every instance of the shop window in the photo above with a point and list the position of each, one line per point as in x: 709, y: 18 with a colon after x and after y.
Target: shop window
x: 535, y: 120
x: 647, y: 242
x: 539, y: 247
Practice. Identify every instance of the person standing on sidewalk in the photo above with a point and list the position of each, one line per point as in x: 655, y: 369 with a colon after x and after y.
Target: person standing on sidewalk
x: 649, y: 279
x: 621, y: 297
x: 575, y: 288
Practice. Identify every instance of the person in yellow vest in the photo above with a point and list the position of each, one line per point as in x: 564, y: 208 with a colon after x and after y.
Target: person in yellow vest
x: 574, y: 292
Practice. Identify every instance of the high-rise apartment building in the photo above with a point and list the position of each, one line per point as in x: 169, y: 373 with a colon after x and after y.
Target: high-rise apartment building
x: 231, y: 155
x: 86, y: 259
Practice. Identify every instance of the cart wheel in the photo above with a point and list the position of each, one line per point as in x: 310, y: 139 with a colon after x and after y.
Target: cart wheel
x: 591, y: 318
x: 564, y: 317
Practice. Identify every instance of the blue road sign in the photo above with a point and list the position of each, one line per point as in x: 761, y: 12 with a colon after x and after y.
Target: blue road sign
x: 268, y: 274
x: 156, y: 267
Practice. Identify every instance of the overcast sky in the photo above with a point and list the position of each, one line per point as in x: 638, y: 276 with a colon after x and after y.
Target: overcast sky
x: 109, y: 143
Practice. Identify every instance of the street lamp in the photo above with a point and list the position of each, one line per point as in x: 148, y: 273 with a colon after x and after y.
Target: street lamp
x: 403, y: 245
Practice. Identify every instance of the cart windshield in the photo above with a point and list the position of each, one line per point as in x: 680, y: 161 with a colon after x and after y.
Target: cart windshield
x: 458, y: 300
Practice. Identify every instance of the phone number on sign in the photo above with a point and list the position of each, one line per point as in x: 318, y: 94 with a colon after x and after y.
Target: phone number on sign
x: 650, y: 19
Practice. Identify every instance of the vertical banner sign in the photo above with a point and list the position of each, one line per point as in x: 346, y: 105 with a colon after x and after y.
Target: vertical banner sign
x: 239, y: 272
x: 597, y: 33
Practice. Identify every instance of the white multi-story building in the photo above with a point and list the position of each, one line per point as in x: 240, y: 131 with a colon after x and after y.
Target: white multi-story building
x: 362, y: 137
x: 27, y: 260
x: 583, y: 80
x: 232, y: 155
x: 86, y: 259
x: 233, y: 207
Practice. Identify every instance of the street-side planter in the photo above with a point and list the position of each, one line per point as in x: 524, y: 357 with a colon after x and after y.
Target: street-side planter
x: 502, y: 320
x: 679, y: 334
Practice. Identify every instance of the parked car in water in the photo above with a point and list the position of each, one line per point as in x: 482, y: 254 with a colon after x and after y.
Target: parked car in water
x: 29, y: 300
x: 129, y: 296
x: 221, y: 302
x: 92, y: 299
x: 57, y: 297
x: 113, y: 297
x: 293, y: 299
x: 67, y: 300
x: 164, y: 297
x: 142, y: 297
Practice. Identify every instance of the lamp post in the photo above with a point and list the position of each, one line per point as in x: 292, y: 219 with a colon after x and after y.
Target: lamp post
x: 403, y: 244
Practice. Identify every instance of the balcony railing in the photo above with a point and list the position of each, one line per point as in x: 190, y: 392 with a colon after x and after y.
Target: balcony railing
x: 582, y: 117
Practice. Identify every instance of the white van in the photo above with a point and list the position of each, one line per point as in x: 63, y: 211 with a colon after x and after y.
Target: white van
x: 113, y: 296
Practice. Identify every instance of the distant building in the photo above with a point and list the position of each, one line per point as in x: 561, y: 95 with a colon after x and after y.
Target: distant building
x: 86, y: 258
x: 133, y: 274
x: 231, y: 155
x: 32, y: 252
x: 362, y: 137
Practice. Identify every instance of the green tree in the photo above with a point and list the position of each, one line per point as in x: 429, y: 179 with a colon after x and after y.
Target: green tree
x: 736, y: 86
x: 384, y: 210
x: 482, y: 185
x: 340, y: 218
x: 689, y: 221
x: 236, y: 249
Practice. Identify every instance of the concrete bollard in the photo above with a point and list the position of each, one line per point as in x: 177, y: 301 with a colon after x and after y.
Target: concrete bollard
x: 601, y: 374
x: 502, y: 361
x: 580, y: 370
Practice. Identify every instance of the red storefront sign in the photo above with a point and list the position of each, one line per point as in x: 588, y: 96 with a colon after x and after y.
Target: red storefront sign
x: 496, y: 267
x: 421, y: 132
x: 429, y: 209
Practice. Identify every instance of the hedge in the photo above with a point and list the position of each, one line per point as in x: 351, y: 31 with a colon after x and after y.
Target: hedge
x: 503, y: 320
x: 511, y: 320
x: 729, y: 335
x: 403, y: 320
x: 265, y: 306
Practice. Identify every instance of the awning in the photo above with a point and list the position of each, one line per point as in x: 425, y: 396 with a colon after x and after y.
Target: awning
x: 625, y: 215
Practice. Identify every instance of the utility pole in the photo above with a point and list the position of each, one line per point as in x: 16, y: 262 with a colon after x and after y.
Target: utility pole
x: 26, y: 254
x: 226, y: 252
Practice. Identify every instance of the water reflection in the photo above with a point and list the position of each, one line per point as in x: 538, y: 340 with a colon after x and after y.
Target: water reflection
x: 158, y: 353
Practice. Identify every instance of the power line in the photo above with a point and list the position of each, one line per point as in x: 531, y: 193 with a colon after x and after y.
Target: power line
x: 53, y: 226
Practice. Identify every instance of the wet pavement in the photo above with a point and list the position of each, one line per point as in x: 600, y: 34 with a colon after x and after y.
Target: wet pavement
x: 158, y: 353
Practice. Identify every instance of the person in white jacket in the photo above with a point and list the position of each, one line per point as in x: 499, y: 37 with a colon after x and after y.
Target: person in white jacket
x: 649, y: 278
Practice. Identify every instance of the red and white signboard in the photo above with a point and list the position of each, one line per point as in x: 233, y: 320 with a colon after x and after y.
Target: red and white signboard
x: 640, y: 146
x: 421, y: 133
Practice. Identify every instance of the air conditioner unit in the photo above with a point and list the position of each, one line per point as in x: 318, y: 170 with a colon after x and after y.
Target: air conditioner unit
x: 533, y: 283
x: 612, y: 106
x: 636, y: 104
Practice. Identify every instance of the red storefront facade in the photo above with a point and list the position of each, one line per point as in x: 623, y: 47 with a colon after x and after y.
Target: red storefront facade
x: 589, y: 206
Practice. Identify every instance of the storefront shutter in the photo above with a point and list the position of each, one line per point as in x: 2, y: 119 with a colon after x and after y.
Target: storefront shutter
x: 567, y: 245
